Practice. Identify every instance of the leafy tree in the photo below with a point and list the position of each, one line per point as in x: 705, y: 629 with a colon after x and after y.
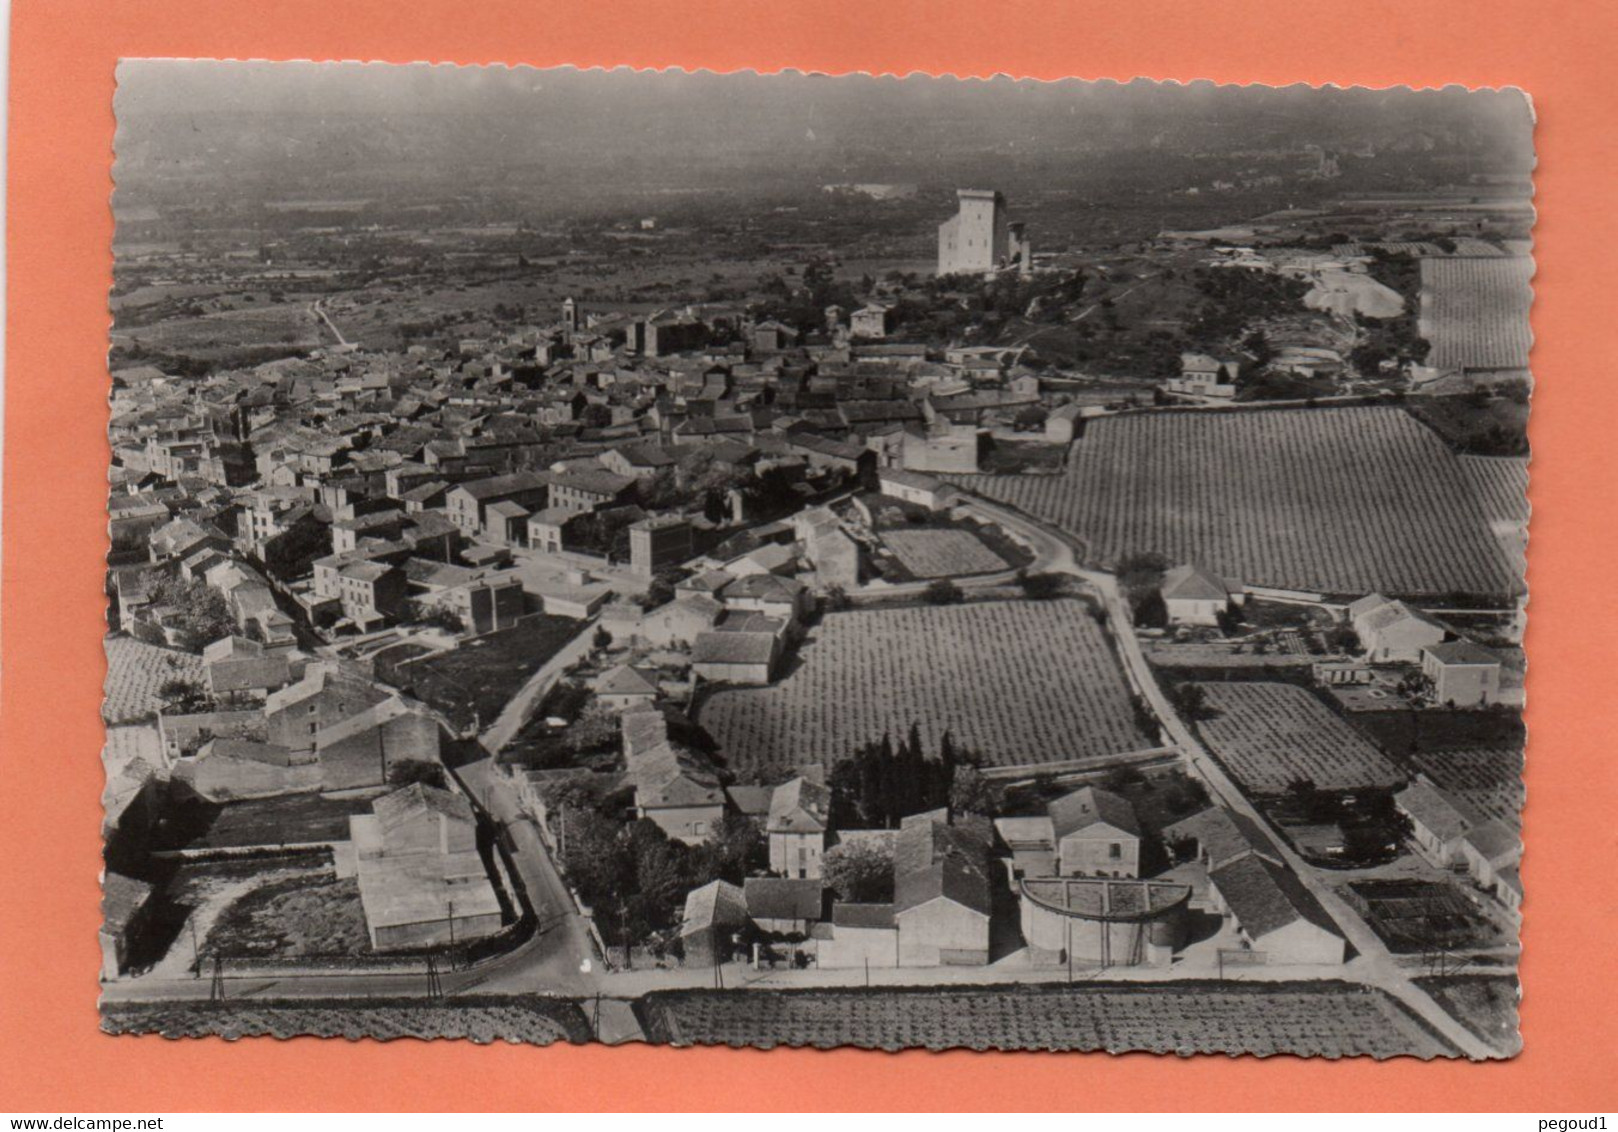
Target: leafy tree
x: 861, y: 872
x: 184, y: 697
x: 880, y: 783
x: 1140, y: 572
x: 972, y: 792
x: 1150, y: 611
x: 1191, y: 701
x: 1043, y: 586
x: 426, y: 613
x: 1343, y: 638
x: 662, y: 492
x: 836, y: 599
x: 200, y: 612
x: 944, y: 592
x: 1030, y: 417
x: 605, y: 532
x: 735, y: 849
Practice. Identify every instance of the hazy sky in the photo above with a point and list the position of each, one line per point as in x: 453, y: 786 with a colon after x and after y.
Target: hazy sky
x: 270, y: 117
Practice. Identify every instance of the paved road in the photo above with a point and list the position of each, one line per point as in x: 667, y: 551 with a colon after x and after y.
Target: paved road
x: 550, y: 962
x: 1374, y: 964
x: 553, y: 960
x: 521, y: 706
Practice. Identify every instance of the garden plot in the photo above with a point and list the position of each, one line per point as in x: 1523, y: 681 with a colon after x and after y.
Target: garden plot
x: 1489, y: 779
x: 1321, y: 1019
x: 1269, y: 736
x: 938, y: 552
x: 1329, y: 500
x: 529, y: 1020
x: 1020, y: 683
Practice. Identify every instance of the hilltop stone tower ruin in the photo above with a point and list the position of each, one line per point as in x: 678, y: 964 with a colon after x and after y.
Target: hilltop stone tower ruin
x: 979, y: 240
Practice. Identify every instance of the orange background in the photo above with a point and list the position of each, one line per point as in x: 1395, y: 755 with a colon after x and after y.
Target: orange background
x: 59, y: 231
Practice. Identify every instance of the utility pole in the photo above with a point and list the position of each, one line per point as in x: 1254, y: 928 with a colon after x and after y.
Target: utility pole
x: 216, y: 988
x: 435, y: 985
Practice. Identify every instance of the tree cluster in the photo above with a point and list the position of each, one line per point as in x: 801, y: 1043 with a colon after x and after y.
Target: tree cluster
x: 1235, y: 297
x: 200, y: 612
x: 860, y: 872
x: 882, y: 783
x: 636, y: 877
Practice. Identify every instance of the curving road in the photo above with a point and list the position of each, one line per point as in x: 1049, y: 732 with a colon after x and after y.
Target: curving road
x: 1375, y: 964
x: 318, y: 309
x: 552, y: 961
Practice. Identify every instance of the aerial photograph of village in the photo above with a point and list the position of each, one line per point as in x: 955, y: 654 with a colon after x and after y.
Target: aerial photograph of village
x: 816, y: 561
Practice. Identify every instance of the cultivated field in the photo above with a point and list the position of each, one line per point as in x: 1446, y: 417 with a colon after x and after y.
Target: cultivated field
x: 217, y: 335
x: 1415, y: 915
x: 1019, y: 682
x: 531, y: 1021
x: 291, y: 819
x: 942, y: 553
x: 1475, y: 312
x: 1317, y: 1019
x: 474, y: 681
x: 1501, y: 484
x: 1484, y: 1004
x: 135, y: 673
x: 1270, y: 735
x: 1335, y: 500
x: 313, y: 914
x: 1488, y: 778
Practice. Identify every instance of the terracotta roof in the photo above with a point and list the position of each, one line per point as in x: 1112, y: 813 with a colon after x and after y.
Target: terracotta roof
x: 1194, y: 584
x: 799, y: 806
x: 1090, y: 806
x: 593, y: 483
x: 503, y: 485
x: 862, y: 915
x: 783, y: 898
x: 750, y: 801
x: 246, y: 750
x: 934, y: 858
x: 716, y: 904
x: 1222, y: 835
x: 366, y: 720
x: 1434, y: 810
x: 402, y: 806
x: 1495, y: 842
x: 763, y: 587
x: 1265, y: 897
x: 625, y: 680
x: 1462, y: 652
x: 248, y: 673
x: 734, y: 648
x: 668, y: 774
x: 918, y: 481
x: 121, y: 899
